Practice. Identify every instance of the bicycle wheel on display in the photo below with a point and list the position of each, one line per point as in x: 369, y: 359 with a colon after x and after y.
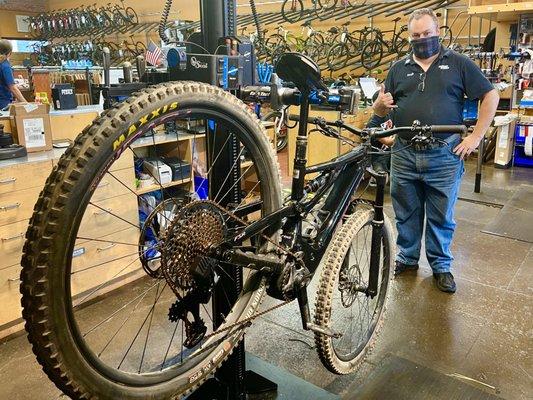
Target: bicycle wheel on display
x: 140, y: 48
x: 93, y: 231
x: 292, y: 10
x: 324, y: 8
x: 342, y: 304
x: 372, y: 54
x: 338, y: 56
x: 131, y: 16
x: 280, y: 127
x: 327, y: 4
x: 402, y: 47
x: 446, y: 36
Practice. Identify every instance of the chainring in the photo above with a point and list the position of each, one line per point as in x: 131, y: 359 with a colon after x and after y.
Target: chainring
x: 196, y: 229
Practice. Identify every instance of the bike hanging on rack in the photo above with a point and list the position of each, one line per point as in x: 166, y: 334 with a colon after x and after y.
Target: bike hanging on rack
x: 373, y: 52
x: 154, y: 338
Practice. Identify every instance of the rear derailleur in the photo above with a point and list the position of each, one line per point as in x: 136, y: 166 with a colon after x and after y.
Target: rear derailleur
x: 196, y: 328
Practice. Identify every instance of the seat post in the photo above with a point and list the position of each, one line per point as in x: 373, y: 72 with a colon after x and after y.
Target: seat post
x: 300, y: 156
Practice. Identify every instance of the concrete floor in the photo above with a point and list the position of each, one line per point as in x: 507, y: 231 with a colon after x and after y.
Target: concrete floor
x: 483, y: 332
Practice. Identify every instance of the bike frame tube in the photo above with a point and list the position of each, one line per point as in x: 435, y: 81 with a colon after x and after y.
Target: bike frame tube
x: 349, y: 171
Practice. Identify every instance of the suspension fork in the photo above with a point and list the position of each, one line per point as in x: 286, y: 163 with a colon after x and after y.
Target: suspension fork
x: 377, y: 234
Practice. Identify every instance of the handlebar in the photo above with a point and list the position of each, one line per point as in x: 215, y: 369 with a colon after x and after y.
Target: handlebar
x: 379, y: 132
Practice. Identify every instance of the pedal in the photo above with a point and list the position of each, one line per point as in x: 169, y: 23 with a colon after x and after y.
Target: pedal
x: 323, y: 331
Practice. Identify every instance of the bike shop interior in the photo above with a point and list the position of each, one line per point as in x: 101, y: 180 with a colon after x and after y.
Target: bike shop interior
x: 86, y: 73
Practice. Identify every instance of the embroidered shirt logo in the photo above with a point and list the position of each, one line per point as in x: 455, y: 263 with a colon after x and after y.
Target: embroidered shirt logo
x: 444, y: 67
x: 411, y: 74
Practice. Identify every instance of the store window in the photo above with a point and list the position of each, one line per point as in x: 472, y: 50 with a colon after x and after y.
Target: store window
x: 25, y: 46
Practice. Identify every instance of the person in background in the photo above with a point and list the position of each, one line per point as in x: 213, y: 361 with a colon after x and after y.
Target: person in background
x: 429, y: 85
x: 8, y: 88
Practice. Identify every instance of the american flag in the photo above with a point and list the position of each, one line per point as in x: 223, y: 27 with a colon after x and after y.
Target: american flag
x: 154, y: 55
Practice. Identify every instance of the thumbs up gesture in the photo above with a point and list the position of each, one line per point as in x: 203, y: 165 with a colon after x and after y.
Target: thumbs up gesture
x: 384, y: 103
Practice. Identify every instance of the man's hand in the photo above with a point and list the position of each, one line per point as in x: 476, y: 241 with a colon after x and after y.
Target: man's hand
x: 384, y: 103
x: 387, y: 141
x: 468, y: 145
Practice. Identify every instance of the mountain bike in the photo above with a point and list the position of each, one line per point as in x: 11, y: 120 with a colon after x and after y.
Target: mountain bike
x: 372, y: 52
x: 158, y: 336
x: 349, y: 46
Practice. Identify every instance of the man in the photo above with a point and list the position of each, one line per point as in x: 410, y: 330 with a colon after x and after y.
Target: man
x: 8, y: 89
x: 429, y: 85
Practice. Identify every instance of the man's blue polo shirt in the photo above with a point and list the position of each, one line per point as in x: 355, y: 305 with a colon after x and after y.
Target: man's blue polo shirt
x: 439, y: 99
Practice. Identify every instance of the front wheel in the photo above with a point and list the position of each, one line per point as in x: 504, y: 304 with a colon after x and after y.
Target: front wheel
x: 342, y: 304
x: 446, y: 36
x: 338, y: 56
x: 292, y: 11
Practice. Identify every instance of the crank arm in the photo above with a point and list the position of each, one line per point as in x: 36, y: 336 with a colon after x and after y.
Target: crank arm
x: 258, y: 262
x: 323, y: 330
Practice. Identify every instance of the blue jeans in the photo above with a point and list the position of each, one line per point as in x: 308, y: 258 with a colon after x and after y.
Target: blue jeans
x: 424, y: 188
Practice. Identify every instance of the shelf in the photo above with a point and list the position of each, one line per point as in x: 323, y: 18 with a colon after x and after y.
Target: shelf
x: 152, y: 188
x: 246, y: 164
x: 504, y: 12
x: 164, y: 138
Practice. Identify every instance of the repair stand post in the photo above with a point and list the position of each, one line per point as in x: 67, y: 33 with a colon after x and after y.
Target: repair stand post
x: 480, y: 155
x: 232, y: 381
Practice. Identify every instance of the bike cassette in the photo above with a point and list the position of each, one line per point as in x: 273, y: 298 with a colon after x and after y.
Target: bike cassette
x: 186, y: 243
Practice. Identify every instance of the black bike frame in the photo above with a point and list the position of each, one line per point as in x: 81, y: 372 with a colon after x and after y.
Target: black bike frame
x: 345, y: 174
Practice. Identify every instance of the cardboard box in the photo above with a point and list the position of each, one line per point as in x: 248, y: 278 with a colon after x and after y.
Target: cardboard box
x: 32, y: 126
x: 504, y: 145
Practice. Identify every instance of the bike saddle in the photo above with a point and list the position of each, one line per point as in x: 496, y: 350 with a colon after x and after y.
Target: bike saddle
x: 333, y: 30
x: 307, y: 23
x: 300, y: 70
x: 396, y: 19
x: 347, y: 23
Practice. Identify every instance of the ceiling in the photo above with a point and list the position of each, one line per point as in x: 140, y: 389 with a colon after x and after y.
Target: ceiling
x: 23, y: 5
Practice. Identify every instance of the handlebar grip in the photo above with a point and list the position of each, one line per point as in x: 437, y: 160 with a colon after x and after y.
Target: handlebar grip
x: 294, y: 117
x: 449, y: 128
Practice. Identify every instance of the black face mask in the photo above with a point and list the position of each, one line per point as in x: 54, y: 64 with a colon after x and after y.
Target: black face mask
x: 424, y: 48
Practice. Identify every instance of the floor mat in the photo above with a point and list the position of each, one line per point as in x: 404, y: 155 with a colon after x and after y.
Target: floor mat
x: 400, y: 379
x: 515, y: 219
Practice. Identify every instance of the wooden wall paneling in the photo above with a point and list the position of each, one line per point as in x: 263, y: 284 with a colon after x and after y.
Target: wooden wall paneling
x: 8, y: 23
x: 41, y: 83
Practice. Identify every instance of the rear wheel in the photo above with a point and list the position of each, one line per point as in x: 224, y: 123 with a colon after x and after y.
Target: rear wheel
x: 342, y: 304
x: 372, y: 54
x: 117, y: 278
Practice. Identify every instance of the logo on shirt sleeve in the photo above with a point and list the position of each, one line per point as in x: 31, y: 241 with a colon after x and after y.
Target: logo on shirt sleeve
x: 387, y: 124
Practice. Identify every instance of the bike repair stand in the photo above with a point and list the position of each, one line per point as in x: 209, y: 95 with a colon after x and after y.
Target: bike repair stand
x: 231, y: 381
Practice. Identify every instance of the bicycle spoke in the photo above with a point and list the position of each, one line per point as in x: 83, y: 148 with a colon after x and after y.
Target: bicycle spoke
x: 141, y: 327
x: 114, y: 215
x: 237, y: 159
x: 169, y: 345
x: 109, y: 317
x: 148, y: 331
